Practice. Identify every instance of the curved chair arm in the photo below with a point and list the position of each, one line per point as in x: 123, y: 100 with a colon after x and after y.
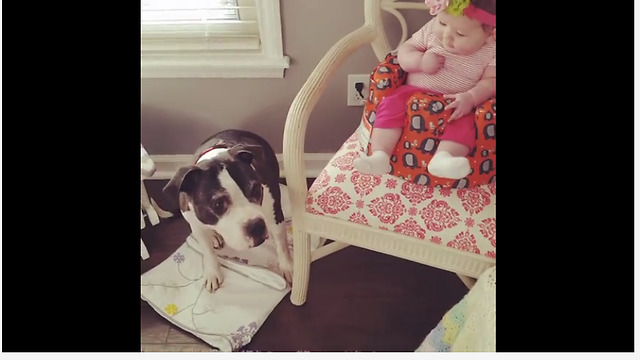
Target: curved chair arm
x: 302, y: 106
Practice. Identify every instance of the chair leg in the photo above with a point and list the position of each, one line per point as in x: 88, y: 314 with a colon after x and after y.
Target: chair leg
x: 468, y: 281
x: 144, y: 253
x: 161, y: 212
x: 321, y: 240
x: 301, y: 267
x: 146, y: 204
x: 327, y: 250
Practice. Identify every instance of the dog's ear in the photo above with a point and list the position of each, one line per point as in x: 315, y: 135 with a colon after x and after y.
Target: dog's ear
x: 182, y: 182
x: 247, y: 153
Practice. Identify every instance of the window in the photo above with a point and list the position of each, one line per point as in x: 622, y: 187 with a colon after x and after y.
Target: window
x: 211, y: 38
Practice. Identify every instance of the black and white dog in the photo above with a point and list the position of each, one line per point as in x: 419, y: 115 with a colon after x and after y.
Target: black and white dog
x: 222, y: 196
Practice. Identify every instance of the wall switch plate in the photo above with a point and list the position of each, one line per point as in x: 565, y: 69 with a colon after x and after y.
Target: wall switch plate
x: 357, y: 89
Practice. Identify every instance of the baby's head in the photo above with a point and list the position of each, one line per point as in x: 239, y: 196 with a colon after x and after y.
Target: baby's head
x: 463, y: 26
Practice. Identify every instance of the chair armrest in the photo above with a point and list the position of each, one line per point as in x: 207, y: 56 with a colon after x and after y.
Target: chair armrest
x: 303, y: 104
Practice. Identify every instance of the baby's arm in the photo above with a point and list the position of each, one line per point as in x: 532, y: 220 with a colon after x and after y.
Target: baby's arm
x: 410, y: 56
x: 413, y: 58
x: 485, y: 88
x: 465, y: 102
x: 413, y: 55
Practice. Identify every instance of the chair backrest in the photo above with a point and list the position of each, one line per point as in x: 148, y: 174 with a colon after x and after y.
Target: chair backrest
x: 372, y: 32
x: 373, y: 10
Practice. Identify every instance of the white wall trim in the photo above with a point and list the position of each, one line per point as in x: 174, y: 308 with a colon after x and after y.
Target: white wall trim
x: 212, y: 66
x: 167, y: 165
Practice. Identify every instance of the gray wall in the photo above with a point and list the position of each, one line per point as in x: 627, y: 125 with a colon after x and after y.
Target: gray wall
x: 177, y: 114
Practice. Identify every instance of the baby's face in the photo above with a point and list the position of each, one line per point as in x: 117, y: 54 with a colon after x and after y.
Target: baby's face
x: 460, y: 34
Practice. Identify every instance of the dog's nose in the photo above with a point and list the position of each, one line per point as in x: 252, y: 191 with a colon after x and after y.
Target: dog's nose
x: 257, y: 230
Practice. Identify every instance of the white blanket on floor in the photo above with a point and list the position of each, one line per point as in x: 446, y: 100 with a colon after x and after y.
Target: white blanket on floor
x: 228, y: 318
x: 470, y: 325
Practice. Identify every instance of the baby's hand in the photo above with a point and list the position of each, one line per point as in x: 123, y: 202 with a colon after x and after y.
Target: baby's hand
x: 463, y: 104
x: 432, y: 63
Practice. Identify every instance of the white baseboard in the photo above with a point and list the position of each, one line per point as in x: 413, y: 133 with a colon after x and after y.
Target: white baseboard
x: 167, y: 165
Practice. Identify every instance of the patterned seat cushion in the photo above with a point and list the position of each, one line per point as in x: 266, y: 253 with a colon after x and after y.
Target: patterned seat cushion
x: 463, y: 219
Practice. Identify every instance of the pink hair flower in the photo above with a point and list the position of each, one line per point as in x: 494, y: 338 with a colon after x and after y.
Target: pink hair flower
x: 435, y: 6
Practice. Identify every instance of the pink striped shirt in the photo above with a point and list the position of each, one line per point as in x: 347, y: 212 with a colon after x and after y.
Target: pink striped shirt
x: 460, y: 72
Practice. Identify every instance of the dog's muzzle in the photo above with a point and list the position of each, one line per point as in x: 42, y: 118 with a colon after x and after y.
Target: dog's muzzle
x: 256, y: 230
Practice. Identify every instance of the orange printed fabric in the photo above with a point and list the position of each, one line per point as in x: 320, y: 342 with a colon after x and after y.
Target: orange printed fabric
x: 420, y: 137
x: 384, y: 79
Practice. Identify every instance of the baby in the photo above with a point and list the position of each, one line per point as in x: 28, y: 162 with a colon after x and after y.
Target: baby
x: 454, y: 54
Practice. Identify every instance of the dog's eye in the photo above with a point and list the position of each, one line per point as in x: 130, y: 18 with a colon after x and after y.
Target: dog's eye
x: 219, y: 206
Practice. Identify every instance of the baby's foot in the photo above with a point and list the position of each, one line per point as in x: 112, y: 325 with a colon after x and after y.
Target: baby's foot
x: 446, y: 166
x: 377, y: 163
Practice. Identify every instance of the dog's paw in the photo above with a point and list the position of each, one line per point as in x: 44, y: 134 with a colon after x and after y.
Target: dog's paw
x: 212, y: 278
x: 285, y: 263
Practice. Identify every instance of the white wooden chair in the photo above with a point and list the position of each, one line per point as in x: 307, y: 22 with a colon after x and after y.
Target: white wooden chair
x: 340, y: 205
x: 148, y: 206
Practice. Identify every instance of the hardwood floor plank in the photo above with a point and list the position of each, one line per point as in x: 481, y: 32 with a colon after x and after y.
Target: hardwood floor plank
x: 179, y: 336
x: 176, y: 348
x: 153, y: 328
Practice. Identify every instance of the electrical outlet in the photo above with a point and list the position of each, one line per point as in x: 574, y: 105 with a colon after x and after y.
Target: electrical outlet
x: 357, y: 89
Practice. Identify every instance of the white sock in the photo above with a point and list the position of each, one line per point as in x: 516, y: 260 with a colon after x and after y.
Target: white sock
x: 446, y: 166
x: 377, y: 163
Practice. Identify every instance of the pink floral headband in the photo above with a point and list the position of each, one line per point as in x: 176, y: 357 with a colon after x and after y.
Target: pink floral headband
x: 460, y: 7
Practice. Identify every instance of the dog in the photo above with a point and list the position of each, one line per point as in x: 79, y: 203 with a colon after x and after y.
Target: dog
x: 230, y: 196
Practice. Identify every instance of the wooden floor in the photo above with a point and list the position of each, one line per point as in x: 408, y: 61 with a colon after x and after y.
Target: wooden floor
x: 359, y: 300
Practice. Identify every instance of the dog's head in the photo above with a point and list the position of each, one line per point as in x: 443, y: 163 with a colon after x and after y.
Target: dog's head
x: 225, y: 195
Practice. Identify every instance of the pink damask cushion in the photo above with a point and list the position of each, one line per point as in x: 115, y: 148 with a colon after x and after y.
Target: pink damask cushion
x: 463, y: 219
